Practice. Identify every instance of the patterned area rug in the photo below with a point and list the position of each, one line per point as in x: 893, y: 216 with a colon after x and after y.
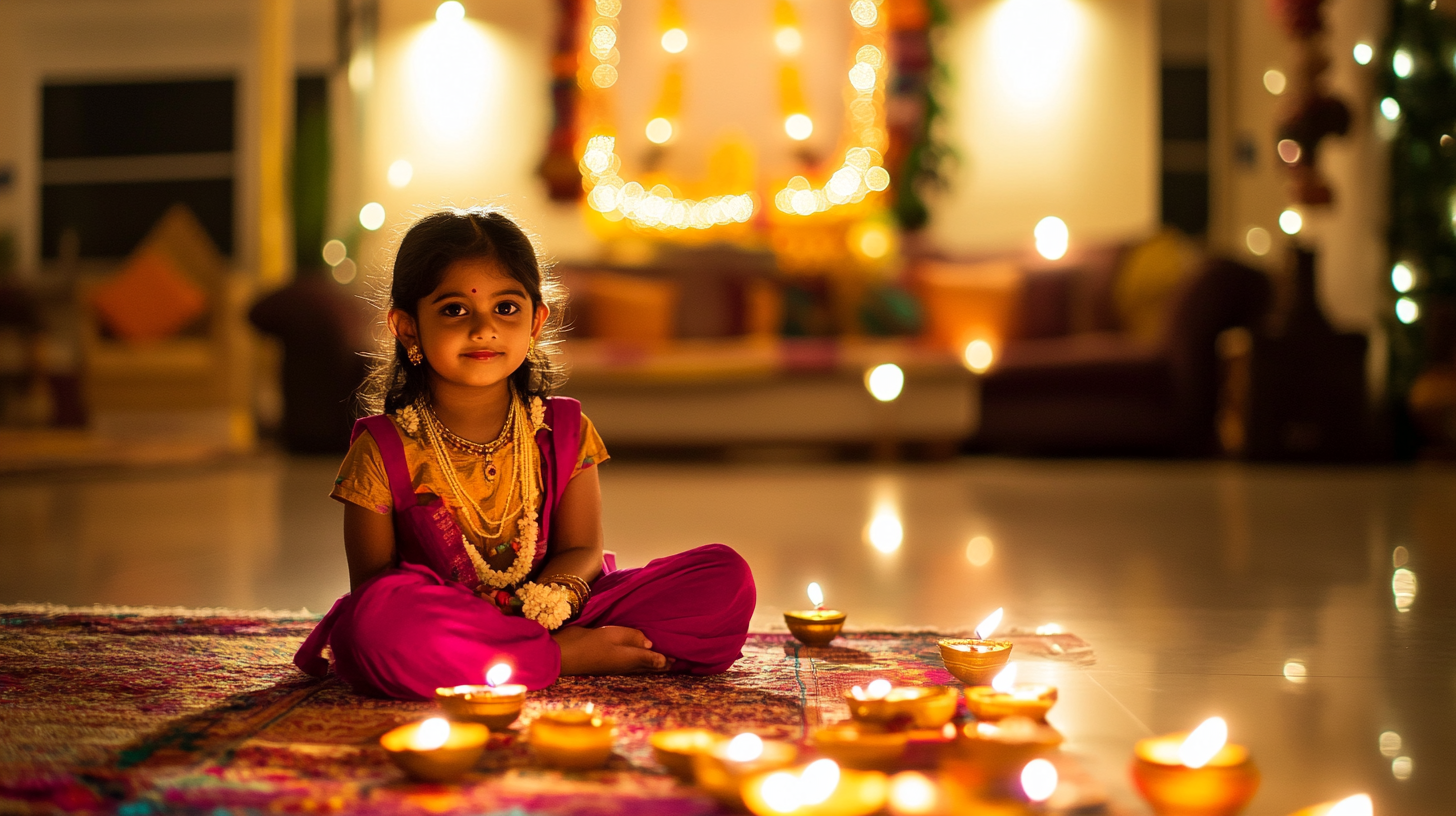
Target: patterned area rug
x: 137, y: 712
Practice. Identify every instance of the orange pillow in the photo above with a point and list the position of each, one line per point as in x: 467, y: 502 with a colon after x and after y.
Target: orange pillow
x: 149, y: 300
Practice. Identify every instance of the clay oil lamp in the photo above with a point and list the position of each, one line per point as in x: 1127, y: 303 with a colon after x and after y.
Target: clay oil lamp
x: 721, y: 769
x: 990, y: 756
x: 820, y: 788
x: 675, y: 748
x: 496, y: 704
x: 853, y: 745
x: 434, y: 750
x: 817, y: 626
x: 1194, y: 774
x: 901, y: 707
x: 1007, y: 698
x: 574, y: 738
x: 974, y: 661
x: 1357, y: 805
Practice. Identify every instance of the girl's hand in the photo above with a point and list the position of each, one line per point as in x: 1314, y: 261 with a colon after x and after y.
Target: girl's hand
x: 607, y: 650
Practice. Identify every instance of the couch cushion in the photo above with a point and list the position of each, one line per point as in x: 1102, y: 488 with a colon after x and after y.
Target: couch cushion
x: 1150, y: 276
x: 151, y: 299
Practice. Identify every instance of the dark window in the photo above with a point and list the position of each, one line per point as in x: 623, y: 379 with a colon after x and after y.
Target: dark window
x: 116, y: 156
x: 1185, y: 201
x: 137, y: 119
x: 109, y: 220
x: 1185, y: 102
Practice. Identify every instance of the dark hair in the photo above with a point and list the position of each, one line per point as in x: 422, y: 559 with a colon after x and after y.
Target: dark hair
x: 431, y: 245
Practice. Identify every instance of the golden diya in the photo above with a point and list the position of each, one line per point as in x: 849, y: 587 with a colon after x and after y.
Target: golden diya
x: 1357, y: 805
x: 974, y: 661
x: 820, y: 788
x: 856, y: 746
x: 721, y: 769
x: 574, y: 738
x: 1007, y: 698
x: 434, y: 750
x: 901, y: 706
x: 992, y: 755
x: 817, y: 626
x: 1194, y: 774
x: 496, y: 704
x: 675, y: 748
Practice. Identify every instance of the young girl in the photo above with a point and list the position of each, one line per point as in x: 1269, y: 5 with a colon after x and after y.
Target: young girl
x: 472, y: 510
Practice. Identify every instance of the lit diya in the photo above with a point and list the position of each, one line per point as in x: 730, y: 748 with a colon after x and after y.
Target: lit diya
x: 901, y: 706
x: 817, y: 626
x: 1357, y: 805
x: 434, y: 750
x: 573, y: 738
x: 993, y: 754
x: 676, y: 748
x: 820, y: 788
x: 496, y: 704
x: 1195, y: 774
x: 855, y: 746
x: 1007, y: 698
x: 721, y: 769
x: 974, y: 661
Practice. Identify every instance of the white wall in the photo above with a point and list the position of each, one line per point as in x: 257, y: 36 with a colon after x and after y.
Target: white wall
x: 1054, y: 110
x: 102, y: 40
x: 1074, y: 137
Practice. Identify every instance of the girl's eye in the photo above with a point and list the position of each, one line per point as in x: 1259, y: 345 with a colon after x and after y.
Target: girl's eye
x: 506, y: 308
x: 453, y: 310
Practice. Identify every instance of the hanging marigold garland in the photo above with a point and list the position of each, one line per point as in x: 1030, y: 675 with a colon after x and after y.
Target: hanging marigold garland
x: 559, y: 166
x: 918, y: 156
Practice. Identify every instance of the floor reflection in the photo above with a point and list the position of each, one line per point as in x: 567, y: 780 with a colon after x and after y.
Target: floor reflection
x: 1311, y: 608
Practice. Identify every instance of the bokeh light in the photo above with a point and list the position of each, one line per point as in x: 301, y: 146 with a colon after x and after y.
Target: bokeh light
x: 1291, y: 222
x: 1258, y: 240
x: 980, y: 550
x: 400, y: 173
x: 1363, y: 53
x: 788, y: 40
x: 799, y: 127
x: 674, y: 40
x: 1402, y: 277
x: 1052, y: 237
x: 1275, y: 82
x: 1407, y: 310
x: 335, y: 252
x: 659, y: 130
x: 885, y: 382
x: 979, y: 355
x: 1390, y: 109
x: 371, y: 216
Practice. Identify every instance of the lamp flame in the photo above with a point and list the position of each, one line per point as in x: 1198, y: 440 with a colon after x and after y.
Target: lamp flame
x: 1204, y: 743
x: 498, y: 675
x: 432, y: 734
x: 986, y: 628
x: 745, y: 748
x: 1039, y: 780
x: 1006, y: 680
x: 1357, y: 805
x: 780, y: 791
x: 816, y: 594
x: 912, y: 793
x: 818, y: 781
x: 878, y: 689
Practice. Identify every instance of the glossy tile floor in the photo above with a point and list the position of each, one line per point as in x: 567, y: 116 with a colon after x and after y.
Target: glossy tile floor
x: 1312, y: 608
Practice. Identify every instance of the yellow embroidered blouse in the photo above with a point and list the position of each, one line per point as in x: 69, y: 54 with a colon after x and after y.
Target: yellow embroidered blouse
x: 362, y: 480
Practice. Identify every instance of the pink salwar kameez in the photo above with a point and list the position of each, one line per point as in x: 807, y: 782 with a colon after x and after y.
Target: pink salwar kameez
x: 420, y: 625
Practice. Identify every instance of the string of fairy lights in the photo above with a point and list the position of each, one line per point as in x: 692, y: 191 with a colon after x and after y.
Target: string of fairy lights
x: 860, y: 173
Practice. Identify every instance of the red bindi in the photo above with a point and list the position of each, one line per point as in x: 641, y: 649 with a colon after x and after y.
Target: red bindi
x: 472, y: 291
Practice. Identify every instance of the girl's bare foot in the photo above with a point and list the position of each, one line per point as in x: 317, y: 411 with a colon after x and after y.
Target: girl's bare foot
x: 607, y: 650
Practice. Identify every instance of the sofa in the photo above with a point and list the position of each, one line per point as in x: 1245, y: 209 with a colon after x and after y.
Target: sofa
x: 1112, y: 352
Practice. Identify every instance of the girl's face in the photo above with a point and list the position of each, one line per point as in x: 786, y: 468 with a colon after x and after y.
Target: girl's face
x: 476, y: 327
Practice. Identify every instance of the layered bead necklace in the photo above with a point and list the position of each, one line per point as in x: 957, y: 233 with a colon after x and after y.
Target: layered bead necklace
x: 522, y: 497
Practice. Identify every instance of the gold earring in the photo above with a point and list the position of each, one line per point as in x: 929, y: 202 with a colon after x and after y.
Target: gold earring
x: 415, y: 355
x: 531, y: 346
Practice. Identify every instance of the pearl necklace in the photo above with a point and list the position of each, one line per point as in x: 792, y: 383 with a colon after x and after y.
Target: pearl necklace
x: 523, y: 492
